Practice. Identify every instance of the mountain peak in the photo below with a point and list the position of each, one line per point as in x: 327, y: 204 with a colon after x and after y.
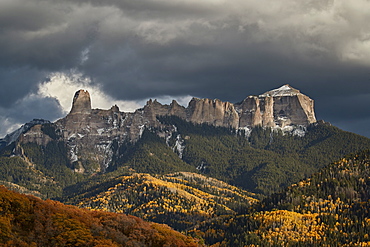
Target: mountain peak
x: 95, y: 132
x: 285, y: 90
x: 81, y: 102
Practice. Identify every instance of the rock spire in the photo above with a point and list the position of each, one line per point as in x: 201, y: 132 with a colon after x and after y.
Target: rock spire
x: 81, y: 103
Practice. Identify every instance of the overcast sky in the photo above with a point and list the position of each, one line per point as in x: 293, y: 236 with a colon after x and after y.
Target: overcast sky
x: 126, y: 51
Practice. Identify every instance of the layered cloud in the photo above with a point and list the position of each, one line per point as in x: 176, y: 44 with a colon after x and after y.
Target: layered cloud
x: 133, y: 50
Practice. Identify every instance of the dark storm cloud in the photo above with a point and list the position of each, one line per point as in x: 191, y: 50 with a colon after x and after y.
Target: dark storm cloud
x: 220, y: 49
x: 16, y: 83
x: 42, y: 35
x: 35, y: 107
x: 26, y: 109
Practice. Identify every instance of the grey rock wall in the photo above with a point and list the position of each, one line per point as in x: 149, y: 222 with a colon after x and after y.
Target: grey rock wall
x: 94, y: 134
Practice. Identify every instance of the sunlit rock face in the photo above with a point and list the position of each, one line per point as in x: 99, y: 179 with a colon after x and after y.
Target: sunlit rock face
x: 213, y: 112
x: 81, y: 103
x: 93, y: 137
x: 280, y: 107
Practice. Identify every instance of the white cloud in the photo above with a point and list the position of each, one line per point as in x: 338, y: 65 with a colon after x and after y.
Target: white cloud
x: 32, y: 106
x: 54, y: 100
x: 62, y: 86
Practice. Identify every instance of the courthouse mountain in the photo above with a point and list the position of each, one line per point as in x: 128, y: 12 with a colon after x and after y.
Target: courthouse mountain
x: 260, y: 144
x: 89, y: 131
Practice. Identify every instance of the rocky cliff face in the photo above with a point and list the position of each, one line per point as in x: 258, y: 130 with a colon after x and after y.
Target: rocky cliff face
x: 96, y: 135
x: 214, y: 112
x: 281, y: 107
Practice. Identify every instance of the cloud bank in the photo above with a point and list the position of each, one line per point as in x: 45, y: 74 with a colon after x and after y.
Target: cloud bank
x: 129, y: 51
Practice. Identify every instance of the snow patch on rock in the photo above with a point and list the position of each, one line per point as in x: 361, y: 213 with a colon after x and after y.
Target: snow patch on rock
x: 106, y: 148
x: 73, y: 154
x: 201, y: 167
x: 247, y: 131
x: 141, y: 130
x: 179, y: 146
x: 285, y: 90
x: 298, y: 130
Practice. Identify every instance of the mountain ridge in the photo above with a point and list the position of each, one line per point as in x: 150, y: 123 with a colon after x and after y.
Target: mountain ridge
x: 160, y: 139
x: 95, y: 131
x: 191, y: 169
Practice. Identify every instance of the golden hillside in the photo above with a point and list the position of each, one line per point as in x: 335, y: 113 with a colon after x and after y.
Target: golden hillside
x: 180, y: 199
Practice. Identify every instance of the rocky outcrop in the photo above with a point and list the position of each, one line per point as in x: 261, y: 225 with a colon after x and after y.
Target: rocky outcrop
x: 95, y: 135
x: 213, y: 112
x: 81, y: 103
x: 276, y: 108
x: 35, y: 135
x: 281, y: 107
x: 14, y: 136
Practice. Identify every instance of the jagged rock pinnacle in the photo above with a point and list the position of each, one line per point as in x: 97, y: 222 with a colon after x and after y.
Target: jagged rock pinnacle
x: 115, y: 108
x: 81, y: 102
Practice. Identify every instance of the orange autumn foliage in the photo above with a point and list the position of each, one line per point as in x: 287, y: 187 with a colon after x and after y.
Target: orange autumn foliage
x: 30, y: 221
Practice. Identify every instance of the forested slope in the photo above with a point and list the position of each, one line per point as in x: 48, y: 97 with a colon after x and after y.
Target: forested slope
x: 29, y: 221
x: 181, y: 200
x: 266, y: 161
x: 263, y: 162
x: 331, y: 208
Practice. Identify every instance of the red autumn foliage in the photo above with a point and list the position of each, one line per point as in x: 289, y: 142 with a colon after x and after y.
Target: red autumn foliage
x: 30, y: 221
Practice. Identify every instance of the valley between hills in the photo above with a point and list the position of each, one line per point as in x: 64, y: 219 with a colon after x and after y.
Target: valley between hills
x: 262, y: 172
